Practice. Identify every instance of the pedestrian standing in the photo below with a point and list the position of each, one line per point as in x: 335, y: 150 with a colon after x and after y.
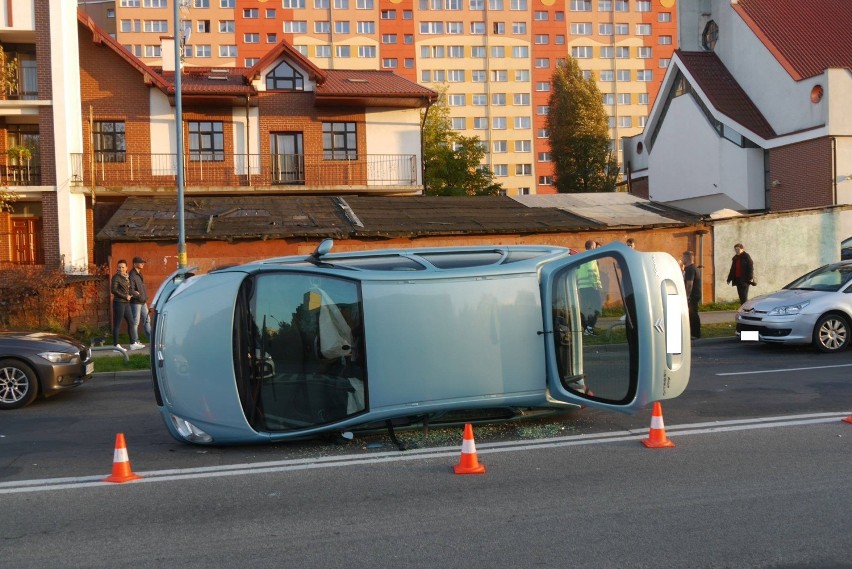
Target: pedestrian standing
x: 692, y: 280
x: 589, y: 287
x: 139, y: 300
x: 121, y: 295
x: 741, y: 274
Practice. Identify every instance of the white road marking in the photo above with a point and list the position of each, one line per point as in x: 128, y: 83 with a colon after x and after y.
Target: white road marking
x: 20, y: 486
x: 782, y: 370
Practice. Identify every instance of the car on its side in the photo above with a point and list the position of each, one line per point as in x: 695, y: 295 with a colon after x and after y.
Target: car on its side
x: 33, y: 363
x: 293, y: 347
x: 816, y: 308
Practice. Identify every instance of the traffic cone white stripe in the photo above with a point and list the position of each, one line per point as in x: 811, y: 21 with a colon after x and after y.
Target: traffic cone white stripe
x: 468, y: 446
x: 657, y: 423
x: 120, y: 455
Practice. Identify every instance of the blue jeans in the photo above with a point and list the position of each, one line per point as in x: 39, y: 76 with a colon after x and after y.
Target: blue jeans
x: 140, y: 312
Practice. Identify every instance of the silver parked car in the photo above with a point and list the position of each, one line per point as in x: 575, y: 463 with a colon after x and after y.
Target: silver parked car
x: 296, y: 346
x: 815, y: 308
x: 40, y: 362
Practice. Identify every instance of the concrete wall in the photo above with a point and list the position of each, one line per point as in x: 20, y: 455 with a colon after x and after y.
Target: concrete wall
x: 783, y: 246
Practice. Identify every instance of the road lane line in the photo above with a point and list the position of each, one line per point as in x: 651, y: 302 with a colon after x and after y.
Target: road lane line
x: 21, y: 486
x: 783, y: 370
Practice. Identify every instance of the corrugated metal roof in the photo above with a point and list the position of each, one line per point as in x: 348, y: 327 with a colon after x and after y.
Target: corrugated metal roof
x: 275, y: 217
x: 806, y: 37
x: 723, y: 91
x: 432, y: 215
x: 611, y: 209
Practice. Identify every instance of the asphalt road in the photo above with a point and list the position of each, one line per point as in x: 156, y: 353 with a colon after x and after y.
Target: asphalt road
x: 759, y: 478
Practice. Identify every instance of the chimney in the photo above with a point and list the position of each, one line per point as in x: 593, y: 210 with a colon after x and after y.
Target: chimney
x: 167, y: 52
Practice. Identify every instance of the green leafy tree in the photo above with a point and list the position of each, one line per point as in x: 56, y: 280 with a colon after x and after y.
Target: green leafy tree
x: 579, y: 133
x: 453, y: 163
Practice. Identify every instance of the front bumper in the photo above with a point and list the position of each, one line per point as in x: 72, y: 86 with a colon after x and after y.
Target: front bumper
x: 796, y: 329
x: 56, y: 378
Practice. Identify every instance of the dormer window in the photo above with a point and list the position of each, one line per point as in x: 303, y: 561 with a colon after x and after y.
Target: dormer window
x: 710, y: 36
x: 285, y: 78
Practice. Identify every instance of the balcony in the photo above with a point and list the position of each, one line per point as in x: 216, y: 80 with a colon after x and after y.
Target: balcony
x: 20, y: 174
x: 219, y: 171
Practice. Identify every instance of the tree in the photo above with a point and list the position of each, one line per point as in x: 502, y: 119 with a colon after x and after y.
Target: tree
x: 579, y: 133
x: 453, y: 163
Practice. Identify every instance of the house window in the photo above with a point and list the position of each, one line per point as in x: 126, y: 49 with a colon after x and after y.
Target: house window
x: 457, y: 123
x: 251, y: 13
x: 226, y: 26
x: 501, y: 170
x: 201, y: 4
x: 545, y: 180
x: 339, y: 141
x: 227, y: 3
x: 227, y: 51
x: 270, y: 13
x: 109, y: 141
x: 285, y: 78
x: 206, y: 141
x: 523, y: 146
x: 323, y: 51
x: 581, y: 5
x: 271, y: 38
x: 367, y: 28
x: 203, y: 26
x: 368, y: 51
x: 523, y: 169
x: 251, y: 38
x: 390, y: 63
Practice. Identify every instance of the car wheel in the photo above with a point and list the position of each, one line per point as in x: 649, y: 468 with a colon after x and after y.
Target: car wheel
x: 18, y: 384
x: 831, y: 333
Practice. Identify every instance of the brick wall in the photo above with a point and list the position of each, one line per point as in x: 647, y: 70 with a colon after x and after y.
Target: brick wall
x: 114, y: 91
x: 5, y: 236
x: 804, y: 173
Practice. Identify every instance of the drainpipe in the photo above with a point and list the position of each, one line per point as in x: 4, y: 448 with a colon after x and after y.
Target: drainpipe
x: 248, y: 142
x: 700, y: 233
x: 423, y: 146
x: 834, y: 169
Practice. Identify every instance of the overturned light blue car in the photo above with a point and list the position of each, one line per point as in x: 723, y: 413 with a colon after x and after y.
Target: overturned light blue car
x: 293, y: 347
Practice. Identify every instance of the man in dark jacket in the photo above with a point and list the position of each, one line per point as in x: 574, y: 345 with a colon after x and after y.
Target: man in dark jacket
x: 692, y: 282
x: 741, y: 274
x: 139, y: 300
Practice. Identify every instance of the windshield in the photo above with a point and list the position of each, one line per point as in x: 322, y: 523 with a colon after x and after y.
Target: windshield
x: 596, y: 341
x: 829, y: 278
x: 298, y: 342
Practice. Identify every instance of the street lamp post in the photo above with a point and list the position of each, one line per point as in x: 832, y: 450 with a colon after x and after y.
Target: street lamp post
x: 178, y: 28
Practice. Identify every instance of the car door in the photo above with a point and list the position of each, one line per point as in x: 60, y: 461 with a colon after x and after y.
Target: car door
x: 616, y: 328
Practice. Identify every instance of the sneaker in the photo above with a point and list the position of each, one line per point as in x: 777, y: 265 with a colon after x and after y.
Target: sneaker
x: 589, y: 331
x: 137, y: 346
x: 119, y: 347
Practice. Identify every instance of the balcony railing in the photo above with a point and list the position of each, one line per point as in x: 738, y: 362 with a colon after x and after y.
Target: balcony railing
x: 20, y: 174
x: 220, y: 169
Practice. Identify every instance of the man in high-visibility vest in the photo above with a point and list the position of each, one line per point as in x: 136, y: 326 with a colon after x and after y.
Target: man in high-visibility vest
x: 590, y: 287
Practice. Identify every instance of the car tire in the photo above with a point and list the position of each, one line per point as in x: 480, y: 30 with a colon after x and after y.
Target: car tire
x: 18, y: 384
x: 831, y: 333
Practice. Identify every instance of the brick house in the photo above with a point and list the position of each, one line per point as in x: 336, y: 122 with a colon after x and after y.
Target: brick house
x: 282, y: 127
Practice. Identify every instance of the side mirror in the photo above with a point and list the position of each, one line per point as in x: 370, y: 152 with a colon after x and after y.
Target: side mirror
x: 323, y: 248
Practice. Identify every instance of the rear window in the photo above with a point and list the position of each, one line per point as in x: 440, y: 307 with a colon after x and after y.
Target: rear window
x: 461, y: 260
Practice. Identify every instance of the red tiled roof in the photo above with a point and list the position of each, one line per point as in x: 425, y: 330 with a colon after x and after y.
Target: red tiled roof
x: 210, y: 81
x: 363, y: 83
x: 723, y: 91
x: 806, y: 37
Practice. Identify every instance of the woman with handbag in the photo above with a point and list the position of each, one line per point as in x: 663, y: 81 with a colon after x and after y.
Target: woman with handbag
x: 741, y: 274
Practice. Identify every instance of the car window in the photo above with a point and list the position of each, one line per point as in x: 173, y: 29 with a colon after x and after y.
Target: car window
x: 302, y: 335
x: 379, y: 263
x: 595, y: 334
x: 829, y: 279
x: 460, y: 260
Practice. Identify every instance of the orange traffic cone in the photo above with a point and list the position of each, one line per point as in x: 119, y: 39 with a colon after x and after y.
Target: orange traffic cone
x: 847, y: 419
x: 657, y: 434
x: 121, y: 463
x: 469, y: 464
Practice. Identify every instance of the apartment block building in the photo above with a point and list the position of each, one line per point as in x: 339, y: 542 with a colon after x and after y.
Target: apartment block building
x: 494, y: 58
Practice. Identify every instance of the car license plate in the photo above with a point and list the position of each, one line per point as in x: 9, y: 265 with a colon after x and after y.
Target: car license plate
x: 90, y: 368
